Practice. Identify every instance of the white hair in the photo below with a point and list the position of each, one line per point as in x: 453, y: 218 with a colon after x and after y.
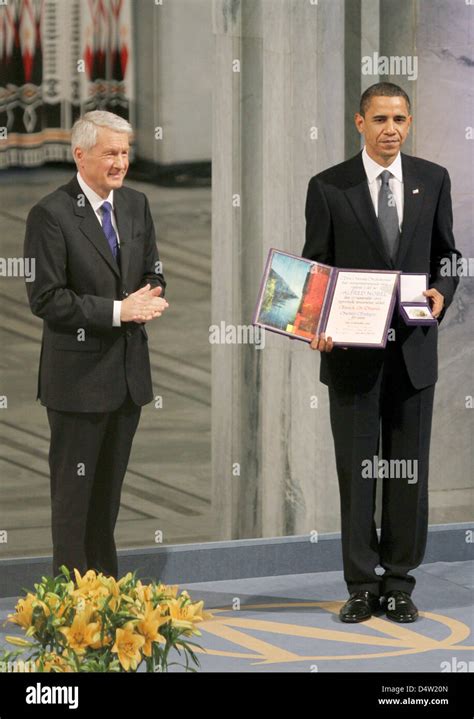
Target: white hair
x: 84, y: 130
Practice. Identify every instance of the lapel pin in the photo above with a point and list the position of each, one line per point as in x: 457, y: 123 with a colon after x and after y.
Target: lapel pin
x: 415, y: 192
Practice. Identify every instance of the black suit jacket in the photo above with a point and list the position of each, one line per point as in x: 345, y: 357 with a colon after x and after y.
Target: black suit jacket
x: 342, y: 230
x: 86, y: 364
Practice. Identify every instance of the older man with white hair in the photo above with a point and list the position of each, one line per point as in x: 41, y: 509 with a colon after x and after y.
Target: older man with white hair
x: 98, y: 281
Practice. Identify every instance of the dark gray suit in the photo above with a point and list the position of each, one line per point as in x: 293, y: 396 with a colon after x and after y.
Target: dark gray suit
x: 93, y: 377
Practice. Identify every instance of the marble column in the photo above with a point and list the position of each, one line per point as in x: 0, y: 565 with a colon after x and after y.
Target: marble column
x: 278, y: 119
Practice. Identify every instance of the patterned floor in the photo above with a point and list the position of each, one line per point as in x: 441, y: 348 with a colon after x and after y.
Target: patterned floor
x: 290, y: 623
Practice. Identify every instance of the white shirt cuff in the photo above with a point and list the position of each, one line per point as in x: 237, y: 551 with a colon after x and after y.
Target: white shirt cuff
x: 116, y: 316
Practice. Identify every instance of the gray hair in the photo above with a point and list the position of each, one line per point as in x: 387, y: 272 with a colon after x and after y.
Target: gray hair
x: 84, y: 130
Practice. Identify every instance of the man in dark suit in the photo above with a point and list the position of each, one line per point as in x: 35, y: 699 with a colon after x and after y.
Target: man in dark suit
x: 98, y: 281
x: 383, y: 210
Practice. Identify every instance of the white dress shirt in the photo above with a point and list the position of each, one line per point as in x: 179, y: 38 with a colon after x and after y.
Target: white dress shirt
x: 96, y: 203
x: 373, y: 170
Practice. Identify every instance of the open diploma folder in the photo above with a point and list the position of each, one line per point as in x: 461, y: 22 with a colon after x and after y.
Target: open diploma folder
x: 301, y: 298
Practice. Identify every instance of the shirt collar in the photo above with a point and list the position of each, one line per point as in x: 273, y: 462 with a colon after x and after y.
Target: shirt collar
x: 373, y: 169
x: 95, y: 200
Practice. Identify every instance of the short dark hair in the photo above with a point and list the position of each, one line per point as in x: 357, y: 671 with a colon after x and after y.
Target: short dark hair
x: 386, y: 89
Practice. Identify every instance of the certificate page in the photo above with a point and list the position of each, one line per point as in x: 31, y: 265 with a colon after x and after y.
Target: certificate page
x: 360, y: 307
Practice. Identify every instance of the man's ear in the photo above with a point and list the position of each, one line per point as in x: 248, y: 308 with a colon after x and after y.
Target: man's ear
x: 78, y: 154
x: 358, y: 120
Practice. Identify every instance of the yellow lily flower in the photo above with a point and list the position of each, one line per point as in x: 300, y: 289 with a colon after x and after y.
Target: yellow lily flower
x: 88, y: 582
x: 171, y: 590
x: 81, y: 634
x: 149, y: 628
x: 127, y: 646
x: 185, y: 615
x: 24, y: 612
x: 109, y: 587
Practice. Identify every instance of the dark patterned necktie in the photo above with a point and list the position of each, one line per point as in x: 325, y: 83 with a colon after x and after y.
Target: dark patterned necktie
x: 388, y: 216
x: 109, y: 231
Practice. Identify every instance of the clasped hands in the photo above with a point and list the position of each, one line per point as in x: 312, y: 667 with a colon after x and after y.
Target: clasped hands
x: 143, y: 305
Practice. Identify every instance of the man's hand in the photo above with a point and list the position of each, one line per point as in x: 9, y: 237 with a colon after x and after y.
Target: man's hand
x: 143, y: 305
x: 321, y: 343
x: 436, y: 301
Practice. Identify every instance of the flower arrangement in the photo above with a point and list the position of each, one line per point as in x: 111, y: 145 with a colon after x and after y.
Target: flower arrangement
x: 99, y: 624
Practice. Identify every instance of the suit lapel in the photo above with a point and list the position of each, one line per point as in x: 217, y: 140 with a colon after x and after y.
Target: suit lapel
x: 358, y: 195
x: 90, y: 226
x: 413, y: 194
x: 123, y: 216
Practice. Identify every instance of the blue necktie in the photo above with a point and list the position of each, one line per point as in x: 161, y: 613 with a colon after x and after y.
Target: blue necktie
x: 108, y: 229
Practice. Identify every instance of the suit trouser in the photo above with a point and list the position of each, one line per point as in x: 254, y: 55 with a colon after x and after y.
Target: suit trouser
x: 401, y: 415
x: 88, y: 458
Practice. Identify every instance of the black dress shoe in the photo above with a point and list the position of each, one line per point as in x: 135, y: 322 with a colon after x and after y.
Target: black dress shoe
x: 359, y: 607
x: 399, y: 606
